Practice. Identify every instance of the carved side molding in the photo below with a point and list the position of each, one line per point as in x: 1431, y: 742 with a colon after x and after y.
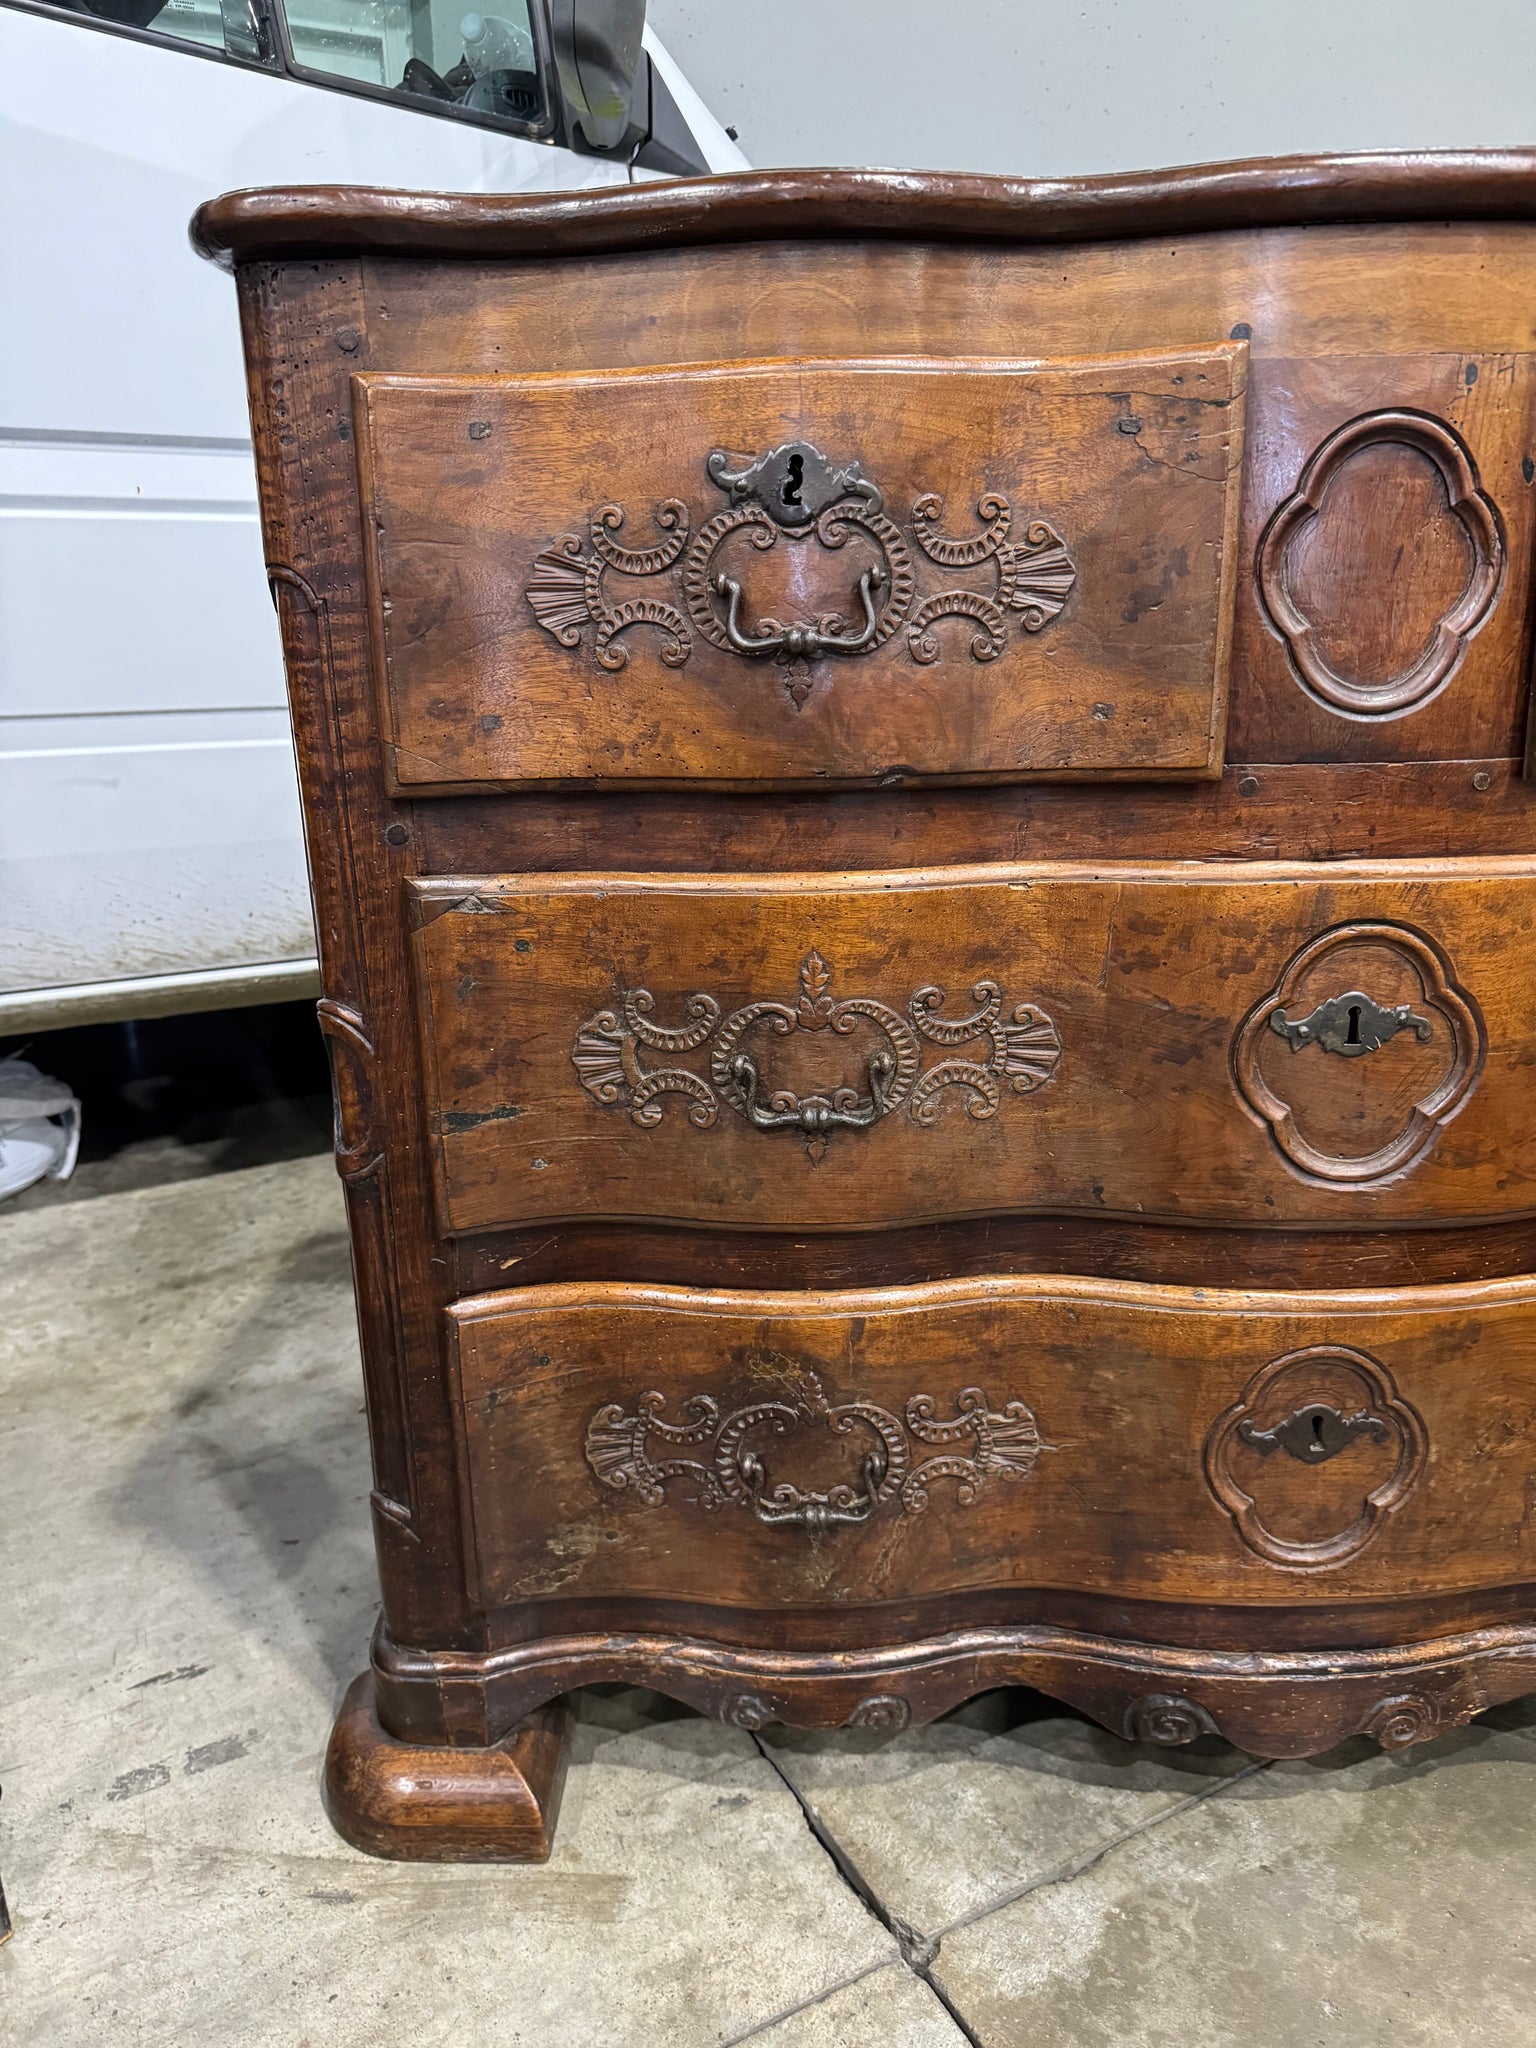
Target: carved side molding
x: 721, y: 1457
x: 1314, y: 1426
x: 305, y: 618
x: 352, y: 1059
x: 364, y: 1172
x: 1446, y: 637
x: 1352, y: 1024
x: 795, y: 494
x: 1018, y: 1051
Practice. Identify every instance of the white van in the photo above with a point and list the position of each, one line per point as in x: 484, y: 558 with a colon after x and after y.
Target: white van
x: 150, y: 851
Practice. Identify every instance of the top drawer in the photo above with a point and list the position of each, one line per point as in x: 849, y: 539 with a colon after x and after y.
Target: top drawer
x: 801, y: 572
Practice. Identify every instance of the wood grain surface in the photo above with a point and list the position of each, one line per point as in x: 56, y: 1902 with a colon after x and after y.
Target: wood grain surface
x: 489, y: 1803
x: 667, y: 1444
x: 1259, y: 811
x: 1159, y: 1105
x: 485, y: 498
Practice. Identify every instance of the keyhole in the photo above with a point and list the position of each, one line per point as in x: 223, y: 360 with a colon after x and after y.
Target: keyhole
x: 1352, y: 1032
x: 1317, y: 1429
x: 790, y: 495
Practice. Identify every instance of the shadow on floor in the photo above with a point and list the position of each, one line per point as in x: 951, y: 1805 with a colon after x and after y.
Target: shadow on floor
x: 259, y: 1474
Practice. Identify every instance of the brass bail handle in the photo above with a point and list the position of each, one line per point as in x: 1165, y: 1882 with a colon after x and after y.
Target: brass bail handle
x: 802, y: 641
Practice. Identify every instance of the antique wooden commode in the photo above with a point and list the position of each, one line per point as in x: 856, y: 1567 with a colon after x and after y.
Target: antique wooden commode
x: 923, y: 850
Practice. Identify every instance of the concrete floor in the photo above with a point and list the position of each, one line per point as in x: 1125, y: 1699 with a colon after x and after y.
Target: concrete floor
x: 189, y: 1586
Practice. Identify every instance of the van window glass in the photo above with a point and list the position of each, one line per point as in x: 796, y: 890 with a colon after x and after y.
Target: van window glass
x: 439, y: 50
x: 231, y: 28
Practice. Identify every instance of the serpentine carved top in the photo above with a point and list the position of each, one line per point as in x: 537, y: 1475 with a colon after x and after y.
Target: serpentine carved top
x: 1019, y: 1050
x: 635, y: 1451
x: 794, y: 492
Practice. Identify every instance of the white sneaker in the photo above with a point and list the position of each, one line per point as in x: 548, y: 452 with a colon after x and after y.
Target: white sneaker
x: 39, y: 1127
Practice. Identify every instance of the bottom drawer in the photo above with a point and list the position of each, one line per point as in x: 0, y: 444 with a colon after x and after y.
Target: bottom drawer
x: 806, y: 1451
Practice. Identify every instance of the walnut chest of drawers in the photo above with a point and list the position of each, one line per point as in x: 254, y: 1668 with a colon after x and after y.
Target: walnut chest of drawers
x: 922, y: 843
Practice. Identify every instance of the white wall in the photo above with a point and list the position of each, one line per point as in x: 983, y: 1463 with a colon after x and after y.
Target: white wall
x: 1052, y: 91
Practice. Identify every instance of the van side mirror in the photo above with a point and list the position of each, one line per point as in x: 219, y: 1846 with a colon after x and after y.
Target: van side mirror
x: 597, y: 54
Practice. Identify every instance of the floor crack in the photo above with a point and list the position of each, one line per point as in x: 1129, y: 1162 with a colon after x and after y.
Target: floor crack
x: 760, y: 2027
x: 918, y: 1951
x: 1067, y: 1872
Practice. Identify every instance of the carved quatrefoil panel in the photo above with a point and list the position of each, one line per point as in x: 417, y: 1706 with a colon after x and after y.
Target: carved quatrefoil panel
x: 1361, y: 1054
x: 1326, y: 1407
x: 1382, y: 564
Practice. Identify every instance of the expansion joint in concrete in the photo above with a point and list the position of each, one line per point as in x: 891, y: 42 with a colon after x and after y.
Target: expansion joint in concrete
x: 919, y: 1952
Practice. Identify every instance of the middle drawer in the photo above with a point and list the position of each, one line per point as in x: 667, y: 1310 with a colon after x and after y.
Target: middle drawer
x: 1346, y: 1047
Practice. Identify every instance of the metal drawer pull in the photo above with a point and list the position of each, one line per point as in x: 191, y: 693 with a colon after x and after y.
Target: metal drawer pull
x: 795, y: 493
x: 805, y: 640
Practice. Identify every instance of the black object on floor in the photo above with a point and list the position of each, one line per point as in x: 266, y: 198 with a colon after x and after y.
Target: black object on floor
x: 170, y: 1097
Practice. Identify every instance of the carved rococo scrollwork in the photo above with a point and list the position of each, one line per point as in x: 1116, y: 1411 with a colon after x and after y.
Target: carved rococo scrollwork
x: 886, y: 1713
x: 1166, y: 1718
x: 1404, y: 1719
x: 1018, y: 1051
x: 722, y: 1456
x: 793, y: 492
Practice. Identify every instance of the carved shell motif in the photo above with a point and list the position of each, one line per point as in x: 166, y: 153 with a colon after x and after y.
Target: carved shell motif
x: 556, y: 590
x: 598, y: 1057
x: 1036, y: 579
